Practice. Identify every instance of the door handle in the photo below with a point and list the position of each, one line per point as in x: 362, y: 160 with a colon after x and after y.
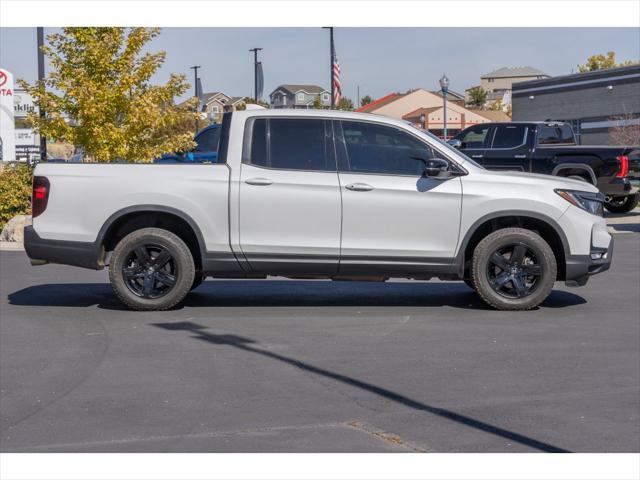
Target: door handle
x: 359, y: 187
x: 263, y: 182
x: 476, y: 156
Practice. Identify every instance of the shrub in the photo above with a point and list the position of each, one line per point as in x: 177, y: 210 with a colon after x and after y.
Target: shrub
x: 15, y: 191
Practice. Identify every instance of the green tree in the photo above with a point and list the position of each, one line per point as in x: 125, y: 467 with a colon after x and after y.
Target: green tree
x: 477, y: 97
x: 602, y: 62
x: 366, y: 100
x: 345, y: 104
x: 99, y: 96
x: 251, y: 100
x: 317, y: 103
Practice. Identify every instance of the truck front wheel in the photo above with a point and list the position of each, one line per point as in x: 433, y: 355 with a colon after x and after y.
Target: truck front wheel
x: 151, y: 269
x: 513, y: 269
x: 622, y: 204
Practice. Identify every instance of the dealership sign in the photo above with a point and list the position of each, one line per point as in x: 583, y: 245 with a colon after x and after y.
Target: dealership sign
x: 7, y: 125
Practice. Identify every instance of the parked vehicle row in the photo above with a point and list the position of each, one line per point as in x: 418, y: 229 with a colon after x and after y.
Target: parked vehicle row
x: 319, y: 194
x: 550, y: 148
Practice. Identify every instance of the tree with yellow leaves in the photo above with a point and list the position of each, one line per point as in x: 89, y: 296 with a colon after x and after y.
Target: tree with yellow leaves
x: 602, y: 62
x: 99, y: 96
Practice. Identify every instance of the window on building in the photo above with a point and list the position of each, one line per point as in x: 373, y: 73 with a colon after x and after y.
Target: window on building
x: 555, y: 134
x: 372, y: 148
x: 325, y: 97
x: 290, y: 144
x: 490, y: 80
x: 301, y: 97
x: 509, y: 136
x: 475, y: 137
x: 215, y: 109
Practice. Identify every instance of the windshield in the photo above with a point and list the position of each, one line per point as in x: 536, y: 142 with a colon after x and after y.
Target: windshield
x: 457, y: 153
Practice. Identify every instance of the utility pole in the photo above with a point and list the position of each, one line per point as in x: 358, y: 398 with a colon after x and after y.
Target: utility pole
x: 195, y: 89
x: 333, y: 100
x: 358, y: 104
x: 43, y: 139
x: 255, y: 72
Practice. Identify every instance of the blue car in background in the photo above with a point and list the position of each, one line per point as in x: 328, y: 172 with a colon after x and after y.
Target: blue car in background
x: 205, y: 151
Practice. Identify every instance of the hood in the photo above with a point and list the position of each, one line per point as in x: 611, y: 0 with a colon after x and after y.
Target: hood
x: 549, y: 180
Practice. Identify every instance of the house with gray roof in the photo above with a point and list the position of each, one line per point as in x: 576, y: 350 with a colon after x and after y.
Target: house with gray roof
x: 498, y: 83
x: 299, y: 96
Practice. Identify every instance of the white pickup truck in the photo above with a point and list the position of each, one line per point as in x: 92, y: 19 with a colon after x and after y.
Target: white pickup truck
x: 319, y: 195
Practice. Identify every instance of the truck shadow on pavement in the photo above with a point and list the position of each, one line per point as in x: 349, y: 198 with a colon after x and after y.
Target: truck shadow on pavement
x: 251, y: 346
x: 287, y: 293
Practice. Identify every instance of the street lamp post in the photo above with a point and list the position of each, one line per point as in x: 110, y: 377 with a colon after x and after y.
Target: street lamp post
x: 40, y: 38
x: 195, y: 86
x: 255, y: 71
x: 444, y: 85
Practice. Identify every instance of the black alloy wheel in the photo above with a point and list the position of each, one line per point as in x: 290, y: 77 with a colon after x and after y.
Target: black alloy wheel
x: 150, y: 271
x: 513, y: 268
x: 513, y: 271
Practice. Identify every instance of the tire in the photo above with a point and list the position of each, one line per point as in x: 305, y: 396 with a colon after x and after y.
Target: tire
x: 151, y: 269
x: 623, y: 204
x: 469, y: 283
x: 522, y: 284
x: 198, y: 278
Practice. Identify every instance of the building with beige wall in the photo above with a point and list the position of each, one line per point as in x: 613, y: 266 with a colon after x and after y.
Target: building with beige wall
x: 412, y: 105
x: 498, y: 84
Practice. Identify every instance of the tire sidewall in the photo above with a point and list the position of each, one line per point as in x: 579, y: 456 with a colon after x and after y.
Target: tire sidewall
x: 181, y: 255
x: 503, y: 238
x: 630, y: 202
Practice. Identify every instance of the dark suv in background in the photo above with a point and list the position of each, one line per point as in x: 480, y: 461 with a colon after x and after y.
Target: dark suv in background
x: 550, y: 148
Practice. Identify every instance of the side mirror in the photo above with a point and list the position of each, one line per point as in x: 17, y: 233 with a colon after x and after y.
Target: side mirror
x: 436, y: 167
x: 455, y: 143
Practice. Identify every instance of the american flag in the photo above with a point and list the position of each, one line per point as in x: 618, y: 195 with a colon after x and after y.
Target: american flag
x: 337, y: 89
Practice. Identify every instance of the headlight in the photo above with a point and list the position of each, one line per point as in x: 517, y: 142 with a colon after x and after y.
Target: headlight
x: 587, y: 201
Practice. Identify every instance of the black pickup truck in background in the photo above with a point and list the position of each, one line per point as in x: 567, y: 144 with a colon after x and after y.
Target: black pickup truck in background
x: 550, y: 148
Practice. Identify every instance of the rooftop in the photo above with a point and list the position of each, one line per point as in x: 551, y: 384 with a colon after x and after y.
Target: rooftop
x: 293, y: 88
x: 510, y: 72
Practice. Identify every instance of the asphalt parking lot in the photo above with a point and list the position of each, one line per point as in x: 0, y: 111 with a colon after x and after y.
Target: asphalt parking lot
x: 289, y: 366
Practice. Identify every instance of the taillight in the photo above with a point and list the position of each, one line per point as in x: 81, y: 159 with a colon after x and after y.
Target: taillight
x: 624, y: 166
x: 40, y: 195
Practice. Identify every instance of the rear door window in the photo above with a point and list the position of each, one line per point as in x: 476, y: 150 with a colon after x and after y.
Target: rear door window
x: 291, y: 144
x: 207, y: 141
x: 509, y: 136
x: 555, y: 135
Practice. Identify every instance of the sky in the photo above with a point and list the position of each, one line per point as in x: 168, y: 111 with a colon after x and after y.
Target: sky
x: 378, y: 60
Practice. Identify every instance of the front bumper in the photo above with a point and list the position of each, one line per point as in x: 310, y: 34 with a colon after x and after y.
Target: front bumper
x: 78, y: 254
x: 580, y: 267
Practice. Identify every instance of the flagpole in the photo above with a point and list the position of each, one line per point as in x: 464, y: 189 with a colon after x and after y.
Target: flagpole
x: 331, y: 60
x: 331, y: 55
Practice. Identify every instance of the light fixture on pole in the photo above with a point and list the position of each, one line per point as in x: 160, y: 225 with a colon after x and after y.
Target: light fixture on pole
x: 444, y: 85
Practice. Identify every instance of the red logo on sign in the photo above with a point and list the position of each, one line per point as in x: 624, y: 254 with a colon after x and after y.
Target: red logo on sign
x: 3, y: 78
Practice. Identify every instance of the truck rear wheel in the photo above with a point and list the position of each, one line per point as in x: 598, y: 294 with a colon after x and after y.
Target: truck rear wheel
x: 513, y: 269
x: 622, y: 204
x: 151, y: 269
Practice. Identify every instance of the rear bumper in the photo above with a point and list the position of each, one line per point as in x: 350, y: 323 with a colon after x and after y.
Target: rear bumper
x: 617, y: 187
x: 580, y: 267
x: 79, y: 254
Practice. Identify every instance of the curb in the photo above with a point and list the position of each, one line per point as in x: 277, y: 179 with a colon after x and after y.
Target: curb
x: 11, y: 246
